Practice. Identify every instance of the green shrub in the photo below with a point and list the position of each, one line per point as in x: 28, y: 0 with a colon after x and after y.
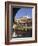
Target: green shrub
x: 23, y: 28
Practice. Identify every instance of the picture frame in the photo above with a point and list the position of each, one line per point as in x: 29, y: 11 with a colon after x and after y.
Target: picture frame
x: 21, y: 37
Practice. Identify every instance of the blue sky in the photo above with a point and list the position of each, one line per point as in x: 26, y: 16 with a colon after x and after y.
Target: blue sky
x: 24, y: 12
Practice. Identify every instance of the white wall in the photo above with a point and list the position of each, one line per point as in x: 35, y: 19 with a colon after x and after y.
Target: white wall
x: 2, y: 22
